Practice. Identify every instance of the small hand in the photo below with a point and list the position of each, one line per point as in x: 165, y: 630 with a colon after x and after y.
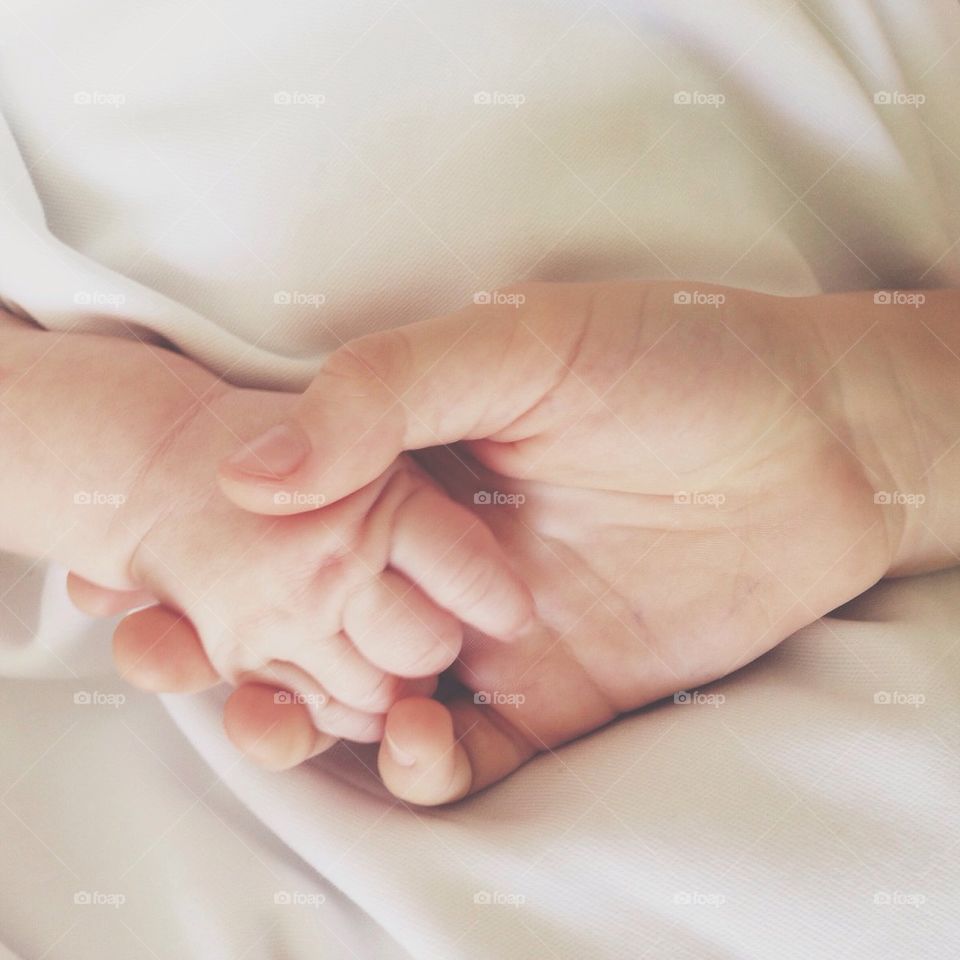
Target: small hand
x: 347, y: 607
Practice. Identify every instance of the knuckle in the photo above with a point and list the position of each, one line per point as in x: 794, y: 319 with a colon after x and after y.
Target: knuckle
x: 381, y: 696
x: 371, y: 729
x: 473, y: 584
x: 370, y: 360
x: 427, y: 645
x: 422, y: 660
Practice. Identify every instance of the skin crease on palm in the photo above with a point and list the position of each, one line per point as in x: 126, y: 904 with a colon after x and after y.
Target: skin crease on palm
x: 682, y: 487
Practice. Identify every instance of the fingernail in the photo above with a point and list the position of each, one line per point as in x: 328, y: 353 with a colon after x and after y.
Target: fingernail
x: 399, y: 756
x: 274, y: 454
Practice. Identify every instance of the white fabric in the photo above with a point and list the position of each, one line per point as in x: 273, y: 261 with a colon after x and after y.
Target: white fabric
x: 800, y: 818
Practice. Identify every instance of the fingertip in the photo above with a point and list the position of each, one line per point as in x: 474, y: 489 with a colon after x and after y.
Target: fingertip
x: 266, y: 473
x: 477, y: 584
x: 274, y: 732
x: 96, y: 601
x: 399, y: 629
x: 157, y: 650
x: 261, y: 495
x: 420, y: 759
x: 276, y: 454
x: 396, y: 753
x: 523, y: 617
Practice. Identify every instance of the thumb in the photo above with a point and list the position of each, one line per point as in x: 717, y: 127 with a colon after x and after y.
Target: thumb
x: 434, y: 753
x: 97, y: 601
x: 467, y: 375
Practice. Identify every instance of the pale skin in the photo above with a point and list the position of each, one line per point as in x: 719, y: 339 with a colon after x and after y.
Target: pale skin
x: 623, y: 419
x: 125, y: 495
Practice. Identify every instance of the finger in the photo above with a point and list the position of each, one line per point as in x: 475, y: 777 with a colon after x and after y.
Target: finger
x: 347, y: 674
x: 292, y: 684
x: 97, y: 601
x: 157, y: 649
x: 455, y: 559
x: 429, y: 383
x: 399, y: 629
x: 434, y: 753
x: 274, y: 733
x: 332, y: 717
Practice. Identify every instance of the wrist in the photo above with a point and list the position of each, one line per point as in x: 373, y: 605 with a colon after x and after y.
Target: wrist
x: 168, y: 478
x: 81, y: 416
x: 177, y: 492
x: 894, y: 371
x: 141, y: 491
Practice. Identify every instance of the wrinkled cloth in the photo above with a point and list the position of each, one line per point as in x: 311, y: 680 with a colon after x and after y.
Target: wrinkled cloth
x: 254, y: 185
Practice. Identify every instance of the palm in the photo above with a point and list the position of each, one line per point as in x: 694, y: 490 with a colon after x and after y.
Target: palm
x: 702, y: 515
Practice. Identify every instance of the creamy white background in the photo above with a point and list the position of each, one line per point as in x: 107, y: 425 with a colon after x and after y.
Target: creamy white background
x: 199, y: 198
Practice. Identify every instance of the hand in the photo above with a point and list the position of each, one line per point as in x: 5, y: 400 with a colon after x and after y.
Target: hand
x: 682, y: 485
x: 341, y: 606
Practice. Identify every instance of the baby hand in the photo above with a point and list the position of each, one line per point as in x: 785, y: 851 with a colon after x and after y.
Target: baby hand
x: 348, y: 606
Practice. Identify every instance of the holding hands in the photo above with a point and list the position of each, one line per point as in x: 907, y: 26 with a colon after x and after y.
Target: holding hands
x: 681, y: 482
